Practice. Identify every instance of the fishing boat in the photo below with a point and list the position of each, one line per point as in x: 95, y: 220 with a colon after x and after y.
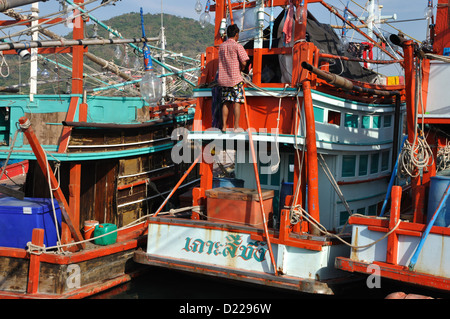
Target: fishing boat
x: 98, y: 155
x: 320, y: 134
x: 406, y: 242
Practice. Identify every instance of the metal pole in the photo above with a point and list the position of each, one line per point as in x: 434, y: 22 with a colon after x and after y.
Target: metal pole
x: 414, y: 258
x: 8, y: 4
x: 34, y: 52
x: 68, y: 43
x: 178, y: 184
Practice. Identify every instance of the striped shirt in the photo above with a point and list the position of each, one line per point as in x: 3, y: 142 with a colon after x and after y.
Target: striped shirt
x: 231, y: 54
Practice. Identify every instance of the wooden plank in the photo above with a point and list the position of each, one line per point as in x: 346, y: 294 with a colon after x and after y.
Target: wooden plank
x: 59, y: 279
x: 12, y: 192
x: 105, y: 188
x: 87, y: 197
x: 13, y: 274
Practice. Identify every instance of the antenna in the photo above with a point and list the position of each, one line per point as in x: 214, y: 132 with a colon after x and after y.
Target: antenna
x: 163, y: 53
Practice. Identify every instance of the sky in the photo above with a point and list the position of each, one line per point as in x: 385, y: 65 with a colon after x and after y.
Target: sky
x: 404, y: 9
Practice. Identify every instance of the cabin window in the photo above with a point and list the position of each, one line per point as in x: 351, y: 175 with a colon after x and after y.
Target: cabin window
x: 291, y: 168
x: 361, y: 211
x: 263, y: 179
x: 268, y: 179
x: 385, y: 161
x: 348, y: 165
x: 351, y: 120
x: 372, y: 210
x: 334, y: 118
x: 4, y: 126
x: 343, y: 217
x: 365, y: 121
x: 363, y: 164
x: 387, y: 121
x: 318, y: 114
x: 374, y: 159
x: 376, y: 121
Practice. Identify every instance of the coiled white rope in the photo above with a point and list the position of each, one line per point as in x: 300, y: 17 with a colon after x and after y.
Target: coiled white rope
x: 418, y: 155
x: 443, y: 157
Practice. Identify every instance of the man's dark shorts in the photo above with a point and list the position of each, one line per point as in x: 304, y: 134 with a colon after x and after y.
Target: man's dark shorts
x: 233, y: 94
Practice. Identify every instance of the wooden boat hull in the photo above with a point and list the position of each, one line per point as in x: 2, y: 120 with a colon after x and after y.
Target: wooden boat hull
x: 69, y: 276
x: 111, y: 172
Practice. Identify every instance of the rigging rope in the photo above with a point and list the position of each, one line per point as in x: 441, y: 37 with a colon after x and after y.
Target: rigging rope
x: 418, y: 155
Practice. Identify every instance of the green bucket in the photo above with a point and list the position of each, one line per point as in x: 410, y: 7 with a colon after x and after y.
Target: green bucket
x: 102, y: 229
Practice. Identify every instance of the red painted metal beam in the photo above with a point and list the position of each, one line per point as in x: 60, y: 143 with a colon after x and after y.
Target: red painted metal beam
x: 311, y: 154
x: 178, y: 184
x: 48, y: 174
x: 395, y: 272
x: 392, y: 244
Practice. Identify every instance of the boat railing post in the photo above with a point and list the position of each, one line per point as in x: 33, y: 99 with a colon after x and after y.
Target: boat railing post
x: 311, y: 155
x: 392, y: 245
x: 37, y: 239
x: 285, y: 219
x: 419, y: 204
x: 198, y: 199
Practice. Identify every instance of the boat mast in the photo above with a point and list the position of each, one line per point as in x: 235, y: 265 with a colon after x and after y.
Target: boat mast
x: 34, y: 51
x: 163, y: 52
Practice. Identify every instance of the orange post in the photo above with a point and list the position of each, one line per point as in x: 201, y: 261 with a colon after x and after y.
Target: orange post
x: 419, y: 204
x: 77, y: 80
x: 231, y: 12
x: 410, y: 85
x: 198, y: 199
x: 392, y: 244
x: 35, y: 264
x: 284, y: 225
x: 82, y: 117
x: 46, y: 171
x: 311, y: 155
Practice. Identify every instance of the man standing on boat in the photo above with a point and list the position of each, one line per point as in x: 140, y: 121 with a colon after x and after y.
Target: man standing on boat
x: 232, y: 59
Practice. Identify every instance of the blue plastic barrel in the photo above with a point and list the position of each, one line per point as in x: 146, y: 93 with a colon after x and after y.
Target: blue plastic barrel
x: 227, y: 182
x: 438, y: 184
x: 18, y: 218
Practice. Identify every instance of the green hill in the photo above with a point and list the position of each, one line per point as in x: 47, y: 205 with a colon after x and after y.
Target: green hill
x: 183, y: 35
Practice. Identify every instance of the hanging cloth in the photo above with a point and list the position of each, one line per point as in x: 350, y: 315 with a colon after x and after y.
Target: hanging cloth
x: 288, y: 24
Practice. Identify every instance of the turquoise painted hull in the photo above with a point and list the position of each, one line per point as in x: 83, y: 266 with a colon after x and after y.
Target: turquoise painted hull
x: 46, y: 113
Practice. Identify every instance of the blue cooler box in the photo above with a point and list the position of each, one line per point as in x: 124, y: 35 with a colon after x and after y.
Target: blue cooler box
x: 18, y: 218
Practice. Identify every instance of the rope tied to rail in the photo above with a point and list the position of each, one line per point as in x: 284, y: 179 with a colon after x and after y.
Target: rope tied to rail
x: 25, y: 125
x: 33, y: 249
x: 302, y: 213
